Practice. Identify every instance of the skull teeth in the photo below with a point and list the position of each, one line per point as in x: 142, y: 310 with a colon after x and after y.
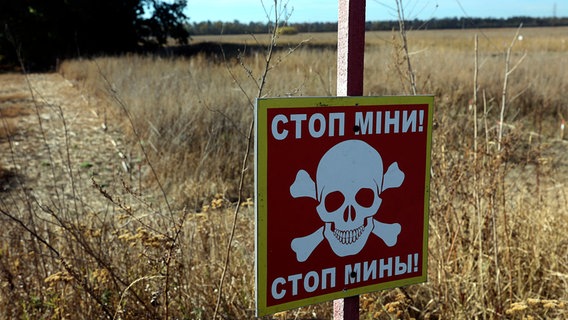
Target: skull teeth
x: 348, y: 237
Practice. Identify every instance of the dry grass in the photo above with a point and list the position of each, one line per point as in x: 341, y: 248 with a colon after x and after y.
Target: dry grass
x: 181, y: 106
x: 497, y: 243
x: 7, y: 129
x: 11, y: 106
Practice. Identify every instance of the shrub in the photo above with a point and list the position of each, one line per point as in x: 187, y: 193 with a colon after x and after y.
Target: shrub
x: 286, y: 31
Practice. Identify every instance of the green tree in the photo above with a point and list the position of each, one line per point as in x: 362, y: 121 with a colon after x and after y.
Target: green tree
x: 40, y: 31
x: 167, y: 20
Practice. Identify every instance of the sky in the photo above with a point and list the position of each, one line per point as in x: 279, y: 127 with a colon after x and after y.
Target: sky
x: 326, y: 10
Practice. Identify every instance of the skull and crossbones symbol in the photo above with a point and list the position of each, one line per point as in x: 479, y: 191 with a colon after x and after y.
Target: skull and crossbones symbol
x: 349, y: 182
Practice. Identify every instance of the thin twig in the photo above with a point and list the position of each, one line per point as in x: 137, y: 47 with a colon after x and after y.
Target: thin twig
x: 118, y: 306
x: 81, y: 281
x: 244, y: 168
x: 124, y: 108
x: 508, y: 71
x: 476, y: 198
x: 403, y: 36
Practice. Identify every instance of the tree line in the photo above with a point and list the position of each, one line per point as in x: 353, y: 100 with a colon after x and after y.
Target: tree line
x: 38, y: 32
x: 237, y: 27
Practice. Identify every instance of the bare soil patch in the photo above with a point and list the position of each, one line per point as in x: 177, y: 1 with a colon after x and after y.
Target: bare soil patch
x: 51, y: 132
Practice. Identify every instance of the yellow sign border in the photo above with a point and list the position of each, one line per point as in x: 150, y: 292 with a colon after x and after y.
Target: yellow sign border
x: 261, y: 185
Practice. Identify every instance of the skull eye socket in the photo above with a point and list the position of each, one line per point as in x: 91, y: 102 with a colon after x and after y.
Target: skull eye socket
x: 334, y: 201
x: 365, y: 197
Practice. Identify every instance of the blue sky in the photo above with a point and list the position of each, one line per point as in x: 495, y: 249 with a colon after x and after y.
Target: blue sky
x: 326, y: 10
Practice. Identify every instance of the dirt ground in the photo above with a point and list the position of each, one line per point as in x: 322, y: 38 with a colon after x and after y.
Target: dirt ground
x: 54, y: 141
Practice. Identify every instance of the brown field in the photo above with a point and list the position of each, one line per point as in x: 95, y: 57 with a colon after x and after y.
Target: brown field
x: 151, y: 240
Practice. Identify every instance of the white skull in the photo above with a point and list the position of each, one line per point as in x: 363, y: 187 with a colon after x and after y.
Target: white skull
x: 348, y: 182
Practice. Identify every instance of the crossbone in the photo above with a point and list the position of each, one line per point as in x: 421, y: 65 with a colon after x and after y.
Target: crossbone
x: 351, y: 241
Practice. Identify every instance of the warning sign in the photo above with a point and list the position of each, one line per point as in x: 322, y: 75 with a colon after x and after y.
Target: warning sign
x: 342, y: 190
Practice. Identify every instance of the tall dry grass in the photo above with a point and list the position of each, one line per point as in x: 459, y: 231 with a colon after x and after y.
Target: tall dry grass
x: 497, y: 244
x: 182, y: 106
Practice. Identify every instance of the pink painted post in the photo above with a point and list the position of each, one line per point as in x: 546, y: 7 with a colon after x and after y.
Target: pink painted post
x: 350, y: 63
x: 350, y: 47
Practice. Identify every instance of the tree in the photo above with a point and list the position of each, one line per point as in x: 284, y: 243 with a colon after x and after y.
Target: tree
x: 166, y: 21
x: 40, y: 31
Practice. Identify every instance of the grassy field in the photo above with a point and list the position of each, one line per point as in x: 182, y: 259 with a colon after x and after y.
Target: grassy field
x: 498, y: 208
x: 179, y: 105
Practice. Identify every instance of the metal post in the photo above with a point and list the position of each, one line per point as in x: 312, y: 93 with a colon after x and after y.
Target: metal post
x: 350, y: 47
x: 350, y: 64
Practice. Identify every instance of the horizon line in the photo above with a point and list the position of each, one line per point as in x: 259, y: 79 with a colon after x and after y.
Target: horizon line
x: 391, y: 20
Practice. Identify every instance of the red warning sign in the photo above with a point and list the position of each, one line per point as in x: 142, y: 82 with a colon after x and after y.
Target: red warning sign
x: 342, y: 188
